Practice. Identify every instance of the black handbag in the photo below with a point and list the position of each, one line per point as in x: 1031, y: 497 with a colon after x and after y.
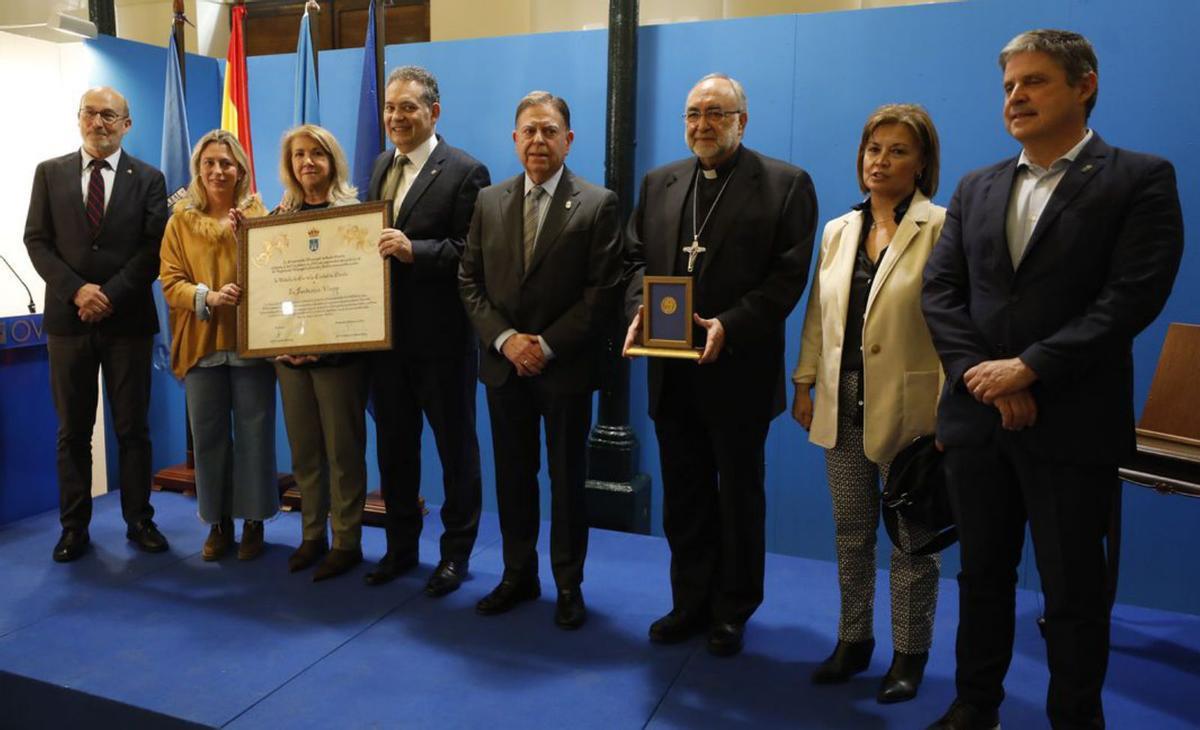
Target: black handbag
x: 916, y: 489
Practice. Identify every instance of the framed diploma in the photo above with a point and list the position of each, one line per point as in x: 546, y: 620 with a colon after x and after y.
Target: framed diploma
x: 667, y: 318
x: 313, y: 282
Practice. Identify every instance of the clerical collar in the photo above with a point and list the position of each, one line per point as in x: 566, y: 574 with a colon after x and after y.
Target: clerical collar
x: 722, y: 169
x: 897, y: 214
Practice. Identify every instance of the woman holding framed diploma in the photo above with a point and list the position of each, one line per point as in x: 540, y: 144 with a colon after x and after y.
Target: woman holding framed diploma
x: 324, y: 397
x: 867, y: 351
x: 230, y: 400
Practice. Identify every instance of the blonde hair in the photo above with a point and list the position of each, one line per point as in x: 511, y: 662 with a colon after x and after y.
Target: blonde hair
x: 341, y: 192
x: 241, y: 191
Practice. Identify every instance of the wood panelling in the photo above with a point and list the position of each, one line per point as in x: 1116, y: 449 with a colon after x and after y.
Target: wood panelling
x: 272, y: 25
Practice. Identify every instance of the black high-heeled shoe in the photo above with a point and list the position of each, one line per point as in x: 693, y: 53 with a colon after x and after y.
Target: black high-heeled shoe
x: 848, y: 659
x: 903, y: 678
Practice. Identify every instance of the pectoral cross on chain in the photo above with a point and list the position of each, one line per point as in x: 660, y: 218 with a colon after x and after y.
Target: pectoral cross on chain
x: 693, y: 251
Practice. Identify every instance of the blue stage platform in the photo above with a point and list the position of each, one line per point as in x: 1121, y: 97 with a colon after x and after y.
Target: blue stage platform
x: 124, y: 639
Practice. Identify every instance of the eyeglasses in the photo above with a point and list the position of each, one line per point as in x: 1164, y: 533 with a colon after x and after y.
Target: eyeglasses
x: 108, y: 116
x: 714, y: 116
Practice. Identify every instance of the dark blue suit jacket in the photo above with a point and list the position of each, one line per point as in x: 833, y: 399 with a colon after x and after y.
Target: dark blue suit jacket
x: 428, y: 320
x: 122, y: 259
x: 1098, y: 269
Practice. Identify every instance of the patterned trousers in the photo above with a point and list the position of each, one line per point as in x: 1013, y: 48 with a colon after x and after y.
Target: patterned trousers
x: 854, y: 485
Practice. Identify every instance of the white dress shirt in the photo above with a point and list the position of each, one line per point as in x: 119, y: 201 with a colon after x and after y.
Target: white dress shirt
x: 109, y: 175
x: 1031, y: 192
x: 416, y: 160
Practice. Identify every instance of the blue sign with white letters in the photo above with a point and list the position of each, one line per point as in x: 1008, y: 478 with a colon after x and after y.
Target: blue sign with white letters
x: 23, y: 331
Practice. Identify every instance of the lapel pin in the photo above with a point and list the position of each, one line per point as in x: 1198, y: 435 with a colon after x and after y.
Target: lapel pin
x: 568, y: 205
x: 1087, y: 167
x: 433, y: 171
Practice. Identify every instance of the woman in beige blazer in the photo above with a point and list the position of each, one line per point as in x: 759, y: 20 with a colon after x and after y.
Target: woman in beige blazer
x: 868, y: 355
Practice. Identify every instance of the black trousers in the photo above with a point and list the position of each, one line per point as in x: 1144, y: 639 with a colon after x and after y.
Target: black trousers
x: 714, y: 505
x: 517, y: 410
x: 995, y: 489
x: 75, y: 362
x: 406, y: 391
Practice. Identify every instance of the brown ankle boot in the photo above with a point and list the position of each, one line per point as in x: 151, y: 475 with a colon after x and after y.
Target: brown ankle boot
x: 220, y: 539
x: 252, y: 540
x: 307, y: 555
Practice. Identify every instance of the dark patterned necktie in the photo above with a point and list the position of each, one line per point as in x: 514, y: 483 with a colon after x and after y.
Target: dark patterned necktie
x: 533, y: 209
x: 95, y: 196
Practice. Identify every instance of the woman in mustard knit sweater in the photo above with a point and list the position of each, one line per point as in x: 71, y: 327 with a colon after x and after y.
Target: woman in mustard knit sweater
x: 230, y: 400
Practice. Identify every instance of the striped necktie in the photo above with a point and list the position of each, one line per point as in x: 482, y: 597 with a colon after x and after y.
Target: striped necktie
x: 95, y: 196
x: 532, y: 210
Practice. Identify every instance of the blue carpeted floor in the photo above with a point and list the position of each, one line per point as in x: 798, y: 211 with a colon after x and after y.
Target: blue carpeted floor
x: 124, y: 639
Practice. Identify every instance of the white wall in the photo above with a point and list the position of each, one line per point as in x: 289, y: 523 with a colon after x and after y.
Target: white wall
x: 43, y: 82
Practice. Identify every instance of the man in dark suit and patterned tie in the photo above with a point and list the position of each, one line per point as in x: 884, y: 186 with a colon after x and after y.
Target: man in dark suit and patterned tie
x: 541, y: 266
x: 431, y: 369
x: 1049, y: 264
x: 741, y: 225
x: 95, y: 223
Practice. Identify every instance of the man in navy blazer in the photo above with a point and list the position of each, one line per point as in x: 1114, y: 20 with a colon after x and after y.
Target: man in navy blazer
x: 1048, y: 266
x: 95, y: 223
x: 431, y: 369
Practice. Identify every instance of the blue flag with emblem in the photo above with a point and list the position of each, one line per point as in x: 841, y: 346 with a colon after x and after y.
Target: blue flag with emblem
x: 305, y: 108
x: 174, y: 163
x: 366, y: 141
x: 176, y: 144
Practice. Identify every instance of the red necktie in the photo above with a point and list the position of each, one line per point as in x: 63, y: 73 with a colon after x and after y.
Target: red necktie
x: 95, y: 198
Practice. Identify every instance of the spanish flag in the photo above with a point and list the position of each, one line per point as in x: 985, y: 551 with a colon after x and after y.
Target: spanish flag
x: 235, y: 106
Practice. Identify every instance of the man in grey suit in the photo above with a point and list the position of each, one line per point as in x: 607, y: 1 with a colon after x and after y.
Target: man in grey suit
x: 96, y: 219
x: 542, y: 263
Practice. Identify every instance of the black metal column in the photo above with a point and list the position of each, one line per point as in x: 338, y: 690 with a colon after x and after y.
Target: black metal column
x: 618, y: 497
x: 103, y: 16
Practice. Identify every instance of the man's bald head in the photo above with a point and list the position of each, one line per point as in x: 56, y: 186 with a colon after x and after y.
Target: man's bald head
x: 103, y: 120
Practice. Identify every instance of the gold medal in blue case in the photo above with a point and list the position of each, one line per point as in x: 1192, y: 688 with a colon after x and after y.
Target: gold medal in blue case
x: 667, y: 318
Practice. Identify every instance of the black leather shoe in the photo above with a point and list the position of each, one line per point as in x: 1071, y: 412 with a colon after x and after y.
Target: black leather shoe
x: 570, y: 613
x: 903, y: 678
x: 962, y: 716
x: 145, y: 535
x: 848, y: 659
x: 71, y: 545
x: 337, y: 562
x: 725, y: 639
x: 676, y: 626
x: 446, y: 578
x: 391, y: 567
x: 507, y: 595
x: 307, y: 555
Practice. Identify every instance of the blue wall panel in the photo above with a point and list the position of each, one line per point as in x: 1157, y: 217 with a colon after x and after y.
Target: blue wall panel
x: 811, y: 81
x: 138, y: 71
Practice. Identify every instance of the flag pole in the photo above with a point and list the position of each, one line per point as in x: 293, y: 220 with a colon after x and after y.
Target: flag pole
x: 312, y: 9
x: 180, y: 19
